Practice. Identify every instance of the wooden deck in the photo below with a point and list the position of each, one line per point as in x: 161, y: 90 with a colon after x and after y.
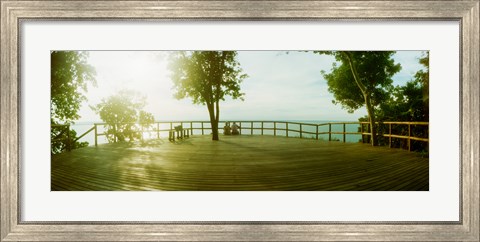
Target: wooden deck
x: 248, y: 163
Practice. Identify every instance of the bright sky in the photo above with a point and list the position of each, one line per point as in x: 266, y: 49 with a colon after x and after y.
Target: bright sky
x: 280, y: 86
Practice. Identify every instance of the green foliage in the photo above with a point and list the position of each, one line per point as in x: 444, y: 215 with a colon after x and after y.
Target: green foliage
x: 375, y: 69
x: 207, y: 77
x: 408, y: 102
x: 60, y: 135
x: 146, y: 119
x: 70, y: 74
x: 405, y: 104
x: 120, y: 112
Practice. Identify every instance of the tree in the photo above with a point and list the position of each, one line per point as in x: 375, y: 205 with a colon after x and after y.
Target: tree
x: 423, y: 78
x: 120, y: 112
x: 408, y: 103
x: 70, y: 74
x: 361, y: 79
x: 62, y: 138
x: 146, y: 119
x: 207, y: 77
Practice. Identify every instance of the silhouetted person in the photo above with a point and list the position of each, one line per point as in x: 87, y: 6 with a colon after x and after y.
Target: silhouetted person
x: 226, y: 129
x: 235, y: 128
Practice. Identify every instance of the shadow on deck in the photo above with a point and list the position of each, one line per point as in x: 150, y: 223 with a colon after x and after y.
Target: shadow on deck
x: 245, y: 163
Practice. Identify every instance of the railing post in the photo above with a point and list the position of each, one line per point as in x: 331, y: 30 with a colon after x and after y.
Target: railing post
x: 274, y: 128
x: 262, y: 127
x: 96, y: 133
x: 361, y: 131
x: 344, y: 132
x: 251, y: 128
x: 191, y: 128
x: 329, y: 131
x: 369, y: 128
x: 202, y: 129
x: 409, y: 134
x: 240, y: 127
x: 286, y: 128
x: 158, y: 130
x: 316, y: 135
x: 390, y: 135
x: 301, y: 136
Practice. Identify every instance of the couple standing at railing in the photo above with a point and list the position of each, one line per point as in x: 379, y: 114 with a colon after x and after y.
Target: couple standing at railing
x: 234, y: 130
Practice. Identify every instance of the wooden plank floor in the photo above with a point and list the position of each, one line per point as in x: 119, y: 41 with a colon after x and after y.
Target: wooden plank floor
x: 248, y: 163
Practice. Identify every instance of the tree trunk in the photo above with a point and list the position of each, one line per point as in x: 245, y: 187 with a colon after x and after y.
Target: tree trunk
x: 217, y: 119
x: 217, y: 97
x: 371, y: 117
x: 214, y: 129
x: 213, y: 121
x: 366, y: 95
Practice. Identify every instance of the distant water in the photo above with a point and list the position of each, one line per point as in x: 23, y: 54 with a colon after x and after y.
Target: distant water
x: 82, y: 127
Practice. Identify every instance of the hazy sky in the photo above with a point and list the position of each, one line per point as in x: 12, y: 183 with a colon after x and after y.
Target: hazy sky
x: 280, y: 86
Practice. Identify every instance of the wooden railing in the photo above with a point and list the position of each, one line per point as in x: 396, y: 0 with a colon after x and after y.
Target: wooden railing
x: 68, y: 141
x: 287, y: 129
x: 409, y: 137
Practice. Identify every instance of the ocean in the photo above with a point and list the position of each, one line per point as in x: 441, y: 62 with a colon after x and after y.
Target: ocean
x: 82, y: 127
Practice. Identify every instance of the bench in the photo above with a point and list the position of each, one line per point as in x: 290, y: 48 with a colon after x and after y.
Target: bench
x: 179, y: 132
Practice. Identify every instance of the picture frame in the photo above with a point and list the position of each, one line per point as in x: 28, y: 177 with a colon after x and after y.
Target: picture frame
x: 465, y: 12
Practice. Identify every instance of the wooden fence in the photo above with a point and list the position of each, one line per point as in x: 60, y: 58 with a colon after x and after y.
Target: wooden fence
x: 281, y: 128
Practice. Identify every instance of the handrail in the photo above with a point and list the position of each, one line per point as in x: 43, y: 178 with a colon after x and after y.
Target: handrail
x: 262, y: 127
x: 286, y: 127
x: 68, y: 141
x: 86, y: 132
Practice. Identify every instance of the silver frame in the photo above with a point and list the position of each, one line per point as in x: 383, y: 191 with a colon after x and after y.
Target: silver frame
x: 465, y: 12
